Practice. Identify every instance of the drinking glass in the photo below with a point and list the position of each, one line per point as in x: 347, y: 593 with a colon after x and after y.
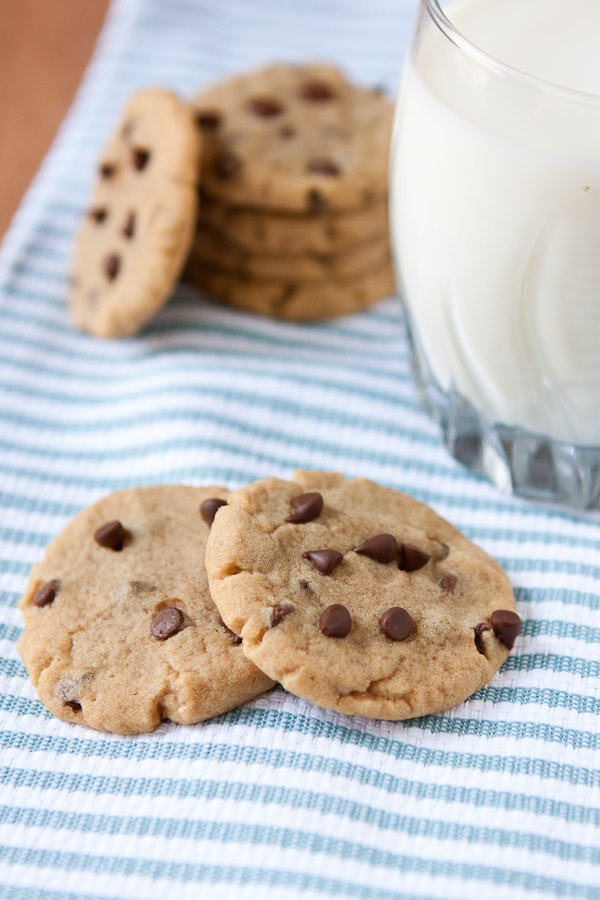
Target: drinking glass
x: 495, y: 215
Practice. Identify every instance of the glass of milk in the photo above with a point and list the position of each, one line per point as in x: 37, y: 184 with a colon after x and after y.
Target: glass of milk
x: 495, y: 205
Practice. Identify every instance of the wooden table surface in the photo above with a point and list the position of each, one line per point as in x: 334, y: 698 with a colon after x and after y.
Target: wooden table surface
x: 44, y: 48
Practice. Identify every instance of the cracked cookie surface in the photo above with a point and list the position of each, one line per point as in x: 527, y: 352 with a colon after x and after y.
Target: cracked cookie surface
x: 135, y: 236
x: 120, y: 629
x: 357, y: 597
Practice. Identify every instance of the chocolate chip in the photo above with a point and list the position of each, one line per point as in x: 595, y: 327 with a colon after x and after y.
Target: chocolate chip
x: 129, y: 226
x: 448, y: 583
x: 316, y: 202
x: 140, y: 158
x: 323, y: 167
x: 506, y: 625
x: 382, y: 548
x: 279, y: 613
x: 99, y: 214
x: 335, y: 621
x: 208, y: 119
x: 479, y: 629
x: 46, y: 593
x: 306, y: 508
x: 303, y: 583
x: 411, y: 558
x: 396, y: 623
x: 267, y: 107
x: 208, y: 509
x: 73, y: 688
x: 287, y: 131
x: 107, y: 170
x: 110, y: 536
x: 316, y: 91
x: 227, y: 165
x: 167, y: 622
x: 235, y: 638
x: 112, y: 264
x: 324, y: 560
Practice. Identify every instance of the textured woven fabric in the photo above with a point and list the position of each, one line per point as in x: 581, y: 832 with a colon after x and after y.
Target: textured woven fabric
x: 499, y: 798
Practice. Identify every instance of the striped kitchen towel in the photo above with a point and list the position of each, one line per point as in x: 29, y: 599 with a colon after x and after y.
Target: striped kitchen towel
x: 499, y: 798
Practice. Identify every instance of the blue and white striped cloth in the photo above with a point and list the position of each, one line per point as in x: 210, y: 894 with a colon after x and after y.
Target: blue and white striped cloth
x: 498, y: 799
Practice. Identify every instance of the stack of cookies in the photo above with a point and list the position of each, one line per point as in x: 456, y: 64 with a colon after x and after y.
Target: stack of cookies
x: 273, y: 189
x: 181, y: 603
x: 293, y: 215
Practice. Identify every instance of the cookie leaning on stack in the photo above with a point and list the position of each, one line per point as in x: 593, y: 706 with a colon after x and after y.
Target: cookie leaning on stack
x: 136, y: 234
x: 293, y: 217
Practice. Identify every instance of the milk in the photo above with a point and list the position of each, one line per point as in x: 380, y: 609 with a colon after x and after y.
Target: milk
x: 496, y: 211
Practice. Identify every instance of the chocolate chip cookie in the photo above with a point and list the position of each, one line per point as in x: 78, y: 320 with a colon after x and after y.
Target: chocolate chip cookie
x: 216, y: 250
x: 291, y: 299
x: 136, y: 234
x: 357, y: 597
x: 120, y: 629
x: 296, y: 138
x: 322, y: 231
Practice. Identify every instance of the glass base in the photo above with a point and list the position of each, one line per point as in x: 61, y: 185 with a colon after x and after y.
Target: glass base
x: 516, y: 460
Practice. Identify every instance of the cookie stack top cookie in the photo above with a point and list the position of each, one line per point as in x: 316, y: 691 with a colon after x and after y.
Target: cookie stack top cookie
x: 294, y: 138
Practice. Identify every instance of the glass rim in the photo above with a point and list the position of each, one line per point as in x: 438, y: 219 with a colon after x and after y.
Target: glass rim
x: 449, y: 30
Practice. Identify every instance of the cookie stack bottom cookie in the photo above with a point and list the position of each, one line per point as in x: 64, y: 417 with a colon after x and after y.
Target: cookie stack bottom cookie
x: 295, y: 301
